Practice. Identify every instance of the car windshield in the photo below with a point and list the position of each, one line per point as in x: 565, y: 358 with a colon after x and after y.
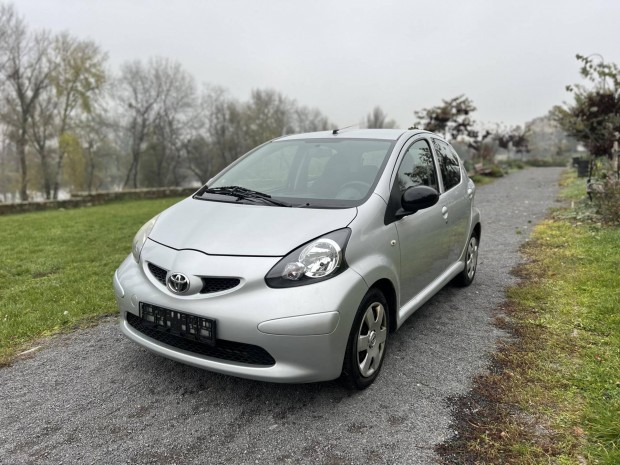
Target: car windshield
x: 321, y: 173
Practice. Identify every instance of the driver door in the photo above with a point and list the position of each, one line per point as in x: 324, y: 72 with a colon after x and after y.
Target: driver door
x: 424, y: 236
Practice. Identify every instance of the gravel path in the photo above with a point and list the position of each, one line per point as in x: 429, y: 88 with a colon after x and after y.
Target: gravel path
x: 94, y: 397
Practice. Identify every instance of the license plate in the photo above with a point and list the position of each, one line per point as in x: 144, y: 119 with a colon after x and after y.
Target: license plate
x: 179, y: 324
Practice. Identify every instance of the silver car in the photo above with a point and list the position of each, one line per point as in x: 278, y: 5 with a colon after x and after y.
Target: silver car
x: 297, y: 261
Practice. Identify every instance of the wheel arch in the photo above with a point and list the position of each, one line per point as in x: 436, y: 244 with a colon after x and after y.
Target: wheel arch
x: 389, y: 292
x: 477, y: 231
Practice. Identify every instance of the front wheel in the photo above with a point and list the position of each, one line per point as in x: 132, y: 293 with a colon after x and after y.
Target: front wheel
x: 367, y: 341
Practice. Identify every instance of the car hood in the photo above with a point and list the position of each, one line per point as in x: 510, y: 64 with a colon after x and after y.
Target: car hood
x: 221, y: 228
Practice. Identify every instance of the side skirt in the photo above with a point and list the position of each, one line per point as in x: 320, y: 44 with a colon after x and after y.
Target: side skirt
x: 429, y: 291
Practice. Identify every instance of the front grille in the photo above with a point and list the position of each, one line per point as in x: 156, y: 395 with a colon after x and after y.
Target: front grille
x: 159, y: 273
x: 226, y: 350
x: 210, y: 285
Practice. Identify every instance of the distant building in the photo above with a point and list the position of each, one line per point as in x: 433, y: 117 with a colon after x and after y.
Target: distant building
x: 546, y: 139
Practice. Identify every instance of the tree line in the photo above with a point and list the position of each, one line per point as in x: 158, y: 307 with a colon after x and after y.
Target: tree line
x: 67, y: 122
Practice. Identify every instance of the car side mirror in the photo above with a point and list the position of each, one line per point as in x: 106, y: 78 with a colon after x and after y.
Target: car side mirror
x: 417, y: 198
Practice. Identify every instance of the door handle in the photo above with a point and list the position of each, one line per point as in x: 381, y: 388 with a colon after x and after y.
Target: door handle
x: 444, y: 212
x: 470, y: 193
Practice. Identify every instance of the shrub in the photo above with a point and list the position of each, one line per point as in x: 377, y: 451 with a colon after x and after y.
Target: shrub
x: 513, y: 164
x: 495, y: 171
x: 605, y: 195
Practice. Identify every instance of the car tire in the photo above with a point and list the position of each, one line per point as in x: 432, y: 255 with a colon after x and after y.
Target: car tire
x: 466, y: 277
x: 367, y: 342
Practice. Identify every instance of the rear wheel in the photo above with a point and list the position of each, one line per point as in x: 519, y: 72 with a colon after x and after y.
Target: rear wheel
x: 367, y: 341
x: 471, y: 263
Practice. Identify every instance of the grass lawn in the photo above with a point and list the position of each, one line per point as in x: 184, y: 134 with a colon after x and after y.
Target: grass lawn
x: 553, y: 394
x: 56, y: 267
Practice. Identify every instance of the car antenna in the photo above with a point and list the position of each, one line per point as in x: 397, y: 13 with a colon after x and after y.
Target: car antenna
x: 335, y: 131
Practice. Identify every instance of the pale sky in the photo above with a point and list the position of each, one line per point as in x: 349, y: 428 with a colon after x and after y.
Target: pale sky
x: 512, y: 58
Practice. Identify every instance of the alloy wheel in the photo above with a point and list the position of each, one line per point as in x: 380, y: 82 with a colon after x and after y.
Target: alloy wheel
x: 371, y: 338
x: 472, y: 257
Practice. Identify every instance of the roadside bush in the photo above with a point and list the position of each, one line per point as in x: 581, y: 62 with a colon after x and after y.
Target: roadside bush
x: 513, y: 164
x: 484, y: 175
x: 605, y: 195
x: 495, y: 171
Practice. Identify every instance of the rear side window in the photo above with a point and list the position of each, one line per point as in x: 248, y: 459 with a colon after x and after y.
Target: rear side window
x: 417, y: 167
x: 448, y: 164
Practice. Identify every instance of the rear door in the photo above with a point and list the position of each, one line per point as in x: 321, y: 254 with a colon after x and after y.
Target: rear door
x: 455, y: 202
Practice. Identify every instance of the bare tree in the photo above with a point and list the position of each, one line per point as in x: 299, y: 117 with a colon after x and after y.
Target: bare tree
x: 377, y: 119
x: 306, y: 119
x: 77, y: 77
x: 42, y: 132
x: 7, y: 17
x: 8, y: 170
x: 94, y: 141
x: 137, y: 95
x: 173, y: 122
x: 156, y: 99
x: 196, y: 151
x: 267, y: 115
x: 24, y: 76
x: 224, y: 134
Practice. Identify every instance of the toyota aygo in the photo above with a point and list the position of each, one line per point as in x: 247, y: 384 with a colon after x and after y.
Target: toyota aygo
x: 297, y: 261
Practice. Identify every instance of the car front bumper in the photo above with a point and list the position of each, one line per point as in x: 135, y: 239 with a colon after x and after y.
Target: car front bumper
x: 304, y: 329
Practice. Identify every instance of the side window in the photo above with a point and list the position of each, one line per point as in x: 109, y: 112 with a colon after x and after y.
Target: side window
x: 448, y: 164
x: 417, y: 167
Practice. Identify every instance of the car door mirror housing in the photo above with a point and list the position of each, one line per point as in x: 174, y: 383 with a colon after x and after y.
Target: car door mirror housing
x: 417, y: 198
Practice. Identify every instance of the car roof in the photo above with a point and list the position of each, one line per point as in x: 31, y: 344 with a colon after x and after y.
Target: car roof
x: 386, y: 134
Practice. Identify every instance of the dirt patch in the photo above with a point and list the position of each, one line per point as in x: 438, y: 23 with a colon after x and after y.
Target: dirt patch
x: 488, y: 423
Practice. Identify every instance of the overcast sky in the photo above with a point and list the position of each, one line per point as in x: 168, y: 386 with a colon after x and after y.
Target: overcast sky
x: 512, y: 58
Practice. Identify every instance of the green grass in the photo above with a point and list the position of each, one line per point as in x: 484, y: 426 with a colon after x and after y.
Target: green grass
x: 572, y: 304
x: 553, y: 393
x: 573, y: 189
x: 481, y: 180
x: 56, y: 267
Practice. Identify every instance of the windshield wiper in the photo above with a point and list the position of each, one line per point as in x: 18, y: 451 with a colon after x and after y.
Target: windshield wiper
x: 241, y: 193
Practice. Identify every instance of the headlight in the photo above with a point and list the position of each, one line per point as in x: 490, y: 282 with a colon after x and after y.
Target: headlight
x: 140, y: 238
x: 318, y: 260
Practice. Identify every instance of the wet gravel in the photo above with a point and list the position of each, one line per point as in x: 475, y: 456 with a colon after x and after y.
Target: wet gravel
x: 92, y: 397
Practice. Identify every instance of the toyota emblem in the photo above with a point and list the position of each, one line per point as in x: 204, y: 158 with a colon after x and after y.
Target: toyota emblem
x: 178, y: 283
